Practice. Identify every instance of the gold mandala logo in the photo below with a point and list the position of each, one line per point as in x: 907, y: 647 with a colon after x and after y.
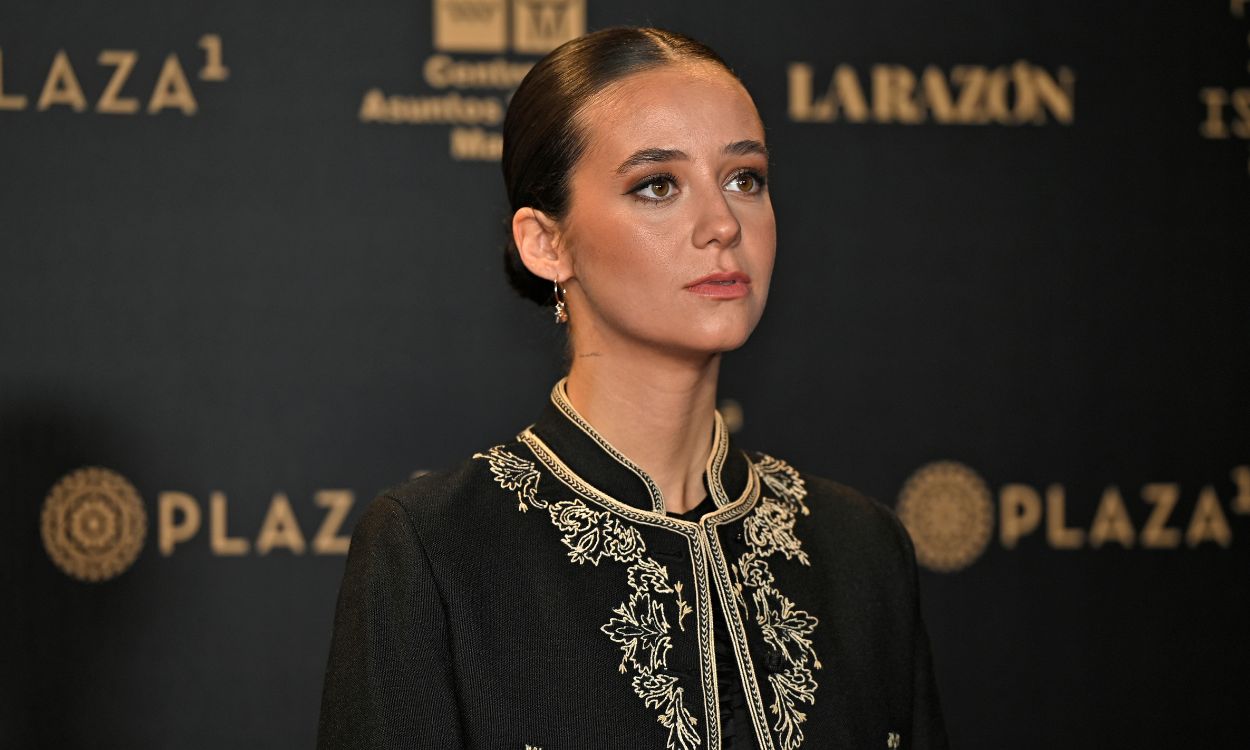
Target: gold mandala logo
x: 93, y: 524
x: 947, y: 510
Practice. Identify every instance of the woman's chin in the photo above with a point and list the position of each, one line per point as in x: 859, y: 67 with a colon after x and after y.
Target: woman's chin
x: 689, y: 337
x: 717, y: 341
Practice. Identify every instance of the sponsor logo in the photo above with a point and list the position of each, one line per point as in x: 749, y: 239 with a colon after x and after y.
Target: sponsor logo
x: 93, y: 524
x: 470, y: 93
x: 538, y: 26
x: 134, y: 86
x: 1019, y: 94
x: 180, y: 519
x: 948, y: 511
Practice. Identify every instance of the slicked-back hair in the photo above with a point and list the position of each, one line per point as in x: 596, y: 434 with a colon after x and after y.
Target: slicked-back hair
x: 542, y: 141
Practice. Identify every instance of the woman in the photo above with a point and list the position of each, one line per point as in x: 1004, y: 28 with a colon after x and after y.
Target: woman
x: 622, y: 575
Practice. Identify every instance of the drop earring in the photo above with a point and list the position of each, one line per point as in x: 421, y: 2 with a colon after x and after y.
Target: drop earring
x: 561, y: 312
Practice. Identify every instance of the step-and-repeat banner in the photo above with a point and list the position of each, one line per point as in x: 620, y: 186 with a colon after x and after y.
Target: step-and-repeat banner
x: 250, y: 274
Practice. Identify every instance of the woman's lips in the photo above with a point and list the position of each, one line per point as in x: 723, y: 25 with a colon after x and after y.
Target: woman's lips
x: 721, y: 285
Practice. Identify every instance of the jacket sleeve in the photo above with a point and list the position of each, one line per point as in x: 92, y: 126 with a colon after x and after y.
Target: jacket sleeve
x: 928, y: 730
x: 389, y: 682
x: 928, y: 727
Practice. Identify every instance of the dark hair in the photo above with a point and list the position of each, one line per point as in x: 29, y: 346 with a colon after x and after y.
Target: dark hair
x: 541, y: 140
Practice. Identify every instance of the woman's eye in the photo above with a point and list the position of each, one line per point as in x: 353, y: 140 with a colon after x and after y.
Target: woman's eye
x: 655, y: 188
x: 746, y: 182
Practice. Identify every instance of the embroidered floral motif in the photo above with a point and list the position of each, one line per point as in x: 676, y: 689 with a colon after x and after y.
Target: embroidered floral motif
x: 784, y: 482
x: 754, y: 571
x: 770, y: 528
x: 591, y: 534
x: 642, y: 630
x: 787, y: 629
x: 640, y: 626
x: 683, y: 607
x: 661, y: 691
x: 650, y: 575
x: 514, y: 473
x: 789, y: 687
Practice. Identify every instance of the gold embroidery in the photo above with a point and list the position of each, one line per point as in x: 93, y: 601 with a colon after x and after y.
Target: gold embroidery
x: 787, y: 629
x: 642, y: 630
x: 641, y: 625
x: 514, y: 473
x: 650, y: 575
x: 560, y: 397
x: 591, y: 534
x: 703, y: 600
x: 660, y: 691
x: 784, y: 481
x: 789, y: 687
x: 753, y: 571
x: 770, y: 528
x: 735, y: 615
x: 716, y: 460
x: 683, y: 608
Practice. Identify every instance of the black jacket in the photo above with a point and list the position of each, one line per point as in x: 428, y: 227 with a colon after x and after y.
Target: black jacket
x: 538, y: 596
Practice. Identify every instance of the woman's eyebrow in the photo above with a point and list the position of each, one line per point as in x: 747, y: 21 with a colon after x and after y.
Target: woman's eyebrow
x: 742, y: 148
x: 653, y: 155
x: 649, y: 156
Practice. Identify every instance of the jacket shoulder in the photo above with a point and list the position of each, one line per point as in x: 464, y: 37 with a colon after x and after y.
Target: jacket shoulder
x: 461, y: 493
x: 834, y: 497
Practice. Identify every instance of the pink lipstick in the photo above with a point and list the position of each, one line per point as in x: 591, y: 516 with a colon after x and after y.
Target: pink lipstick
x: 722, y: 285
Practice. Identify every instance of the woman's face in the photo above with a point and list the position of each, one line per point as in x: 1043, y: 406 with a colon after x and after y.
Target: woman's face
x: 670, y: 230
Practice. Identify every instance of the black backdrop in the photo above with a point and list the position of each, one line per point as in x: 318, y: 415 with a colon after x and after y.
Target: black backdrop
x: 279, y: 275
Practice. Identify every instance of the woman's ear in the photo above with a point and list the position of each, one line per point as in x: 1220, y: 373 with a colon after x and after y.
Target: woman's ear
x: 538, y: 240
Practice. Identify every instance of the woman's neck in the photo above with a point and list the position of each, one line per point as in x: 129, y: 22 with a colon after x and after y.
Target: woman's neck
x: 656, y: 410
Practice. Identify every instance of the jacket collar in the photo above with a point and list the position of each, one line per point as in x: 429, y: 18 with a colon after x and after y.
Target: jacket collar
x: 590, y: 456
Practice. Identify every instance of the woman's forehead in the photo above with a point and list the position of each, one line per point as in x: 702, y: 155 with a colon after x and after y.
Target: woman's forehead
x: 692, y: 107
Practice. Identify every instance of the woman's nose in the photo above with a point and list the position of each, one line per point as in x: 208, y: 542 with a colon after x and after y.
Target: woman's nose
x: 716, y: 222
